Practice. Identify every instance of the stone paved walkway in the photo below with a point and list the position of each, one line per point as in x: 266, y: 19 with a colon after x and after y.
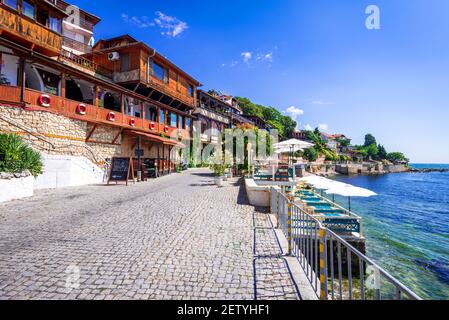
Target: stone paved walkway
x: 179, y: 237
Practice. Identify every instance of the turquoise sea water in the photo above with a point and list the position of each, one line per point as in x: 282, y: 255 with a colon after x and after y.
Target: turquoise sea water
x: 407, y: 227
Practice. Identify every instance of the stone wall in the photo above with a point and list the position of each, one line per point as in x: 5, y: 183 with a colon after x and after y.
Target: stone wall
x: 68, y: 136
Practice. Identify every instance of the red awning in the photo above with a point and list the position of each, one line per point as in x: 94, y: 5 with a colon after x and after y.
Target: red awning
x: 153, y: 137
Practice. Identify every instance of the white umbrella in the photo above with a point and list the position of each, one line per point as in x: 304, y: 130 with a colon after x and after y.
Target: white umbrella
x: 294, y: 142
x: 279, y: 150
x: 347, y: 190
x: 291, y: 144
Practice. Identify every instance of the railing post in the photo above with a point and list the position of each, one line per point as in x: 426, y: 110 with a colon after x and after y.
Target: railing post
x: 289, y: 225
x: 323, y: 265
x: 277, y: 194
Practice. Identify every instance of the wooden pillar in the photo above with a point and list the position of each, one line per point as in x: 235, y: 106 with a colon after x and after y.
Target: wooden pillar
x: 22, y: 79
x: 95, y: 99
x: 122, y: 106
x: 142, y: 114
x: 158, y: 161
x: 169, y: 160
x: 62, y: 94
x: 163, y: 159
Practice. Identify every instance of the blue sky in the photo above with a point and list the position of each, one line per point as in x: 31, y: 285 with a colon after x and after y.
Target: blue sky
x: 314, y: 55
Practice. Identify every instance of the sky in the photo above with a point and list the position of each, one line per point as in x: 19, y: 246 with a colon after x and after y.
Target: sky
x: 315, y: 60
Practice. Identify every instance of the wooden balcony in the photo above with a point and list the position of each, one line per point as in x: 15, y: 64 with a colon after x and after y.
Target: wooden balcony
x: 164, y: 88
x: 91, y: 113
x: 86, y: 64
x: 29, y: 33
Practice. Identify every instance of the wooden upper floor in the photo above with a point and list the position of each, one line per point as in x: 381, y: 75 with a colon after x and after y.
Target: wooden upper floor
x: 144, y: 70
x: 34, y: 24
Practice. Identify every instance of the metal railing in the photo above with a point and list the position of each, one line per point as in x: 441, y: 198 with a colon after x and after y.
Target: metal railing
x: 77, y: 45
x: 85, y: 63
x: 335, y: 269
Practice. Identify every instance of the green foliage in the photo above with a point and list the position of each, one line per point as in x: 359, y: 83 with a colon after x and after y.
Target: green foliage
x: 397, y: 157
x: 344, y: 142
x: 16, y: 156
x: 310, y: 154
x: 382, y: 152
x: 369, y: 140
x: 284, y: 124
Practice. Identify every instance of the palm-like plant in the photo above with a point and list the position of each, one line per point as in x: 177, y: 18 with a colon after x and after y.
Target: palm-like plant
x: 16, y: 156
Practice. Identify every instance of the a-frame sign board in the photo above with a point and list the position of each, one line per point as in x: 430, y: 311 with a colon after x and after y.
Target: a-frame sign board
x: 121, y: 170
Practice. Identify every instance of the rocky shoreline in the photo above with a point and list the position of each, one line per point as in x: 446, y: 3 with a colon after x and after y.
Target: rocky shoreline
x: 428, y: 170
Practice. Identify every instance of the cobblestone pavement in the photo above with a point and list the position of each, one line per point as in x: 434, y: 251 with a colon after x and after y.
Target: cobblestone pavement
x: 178, y: 237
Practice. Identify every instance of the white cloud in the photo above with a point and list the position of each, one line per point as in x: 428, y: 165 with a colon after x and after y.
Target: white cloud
x: 171, y: 26
x: 268, y: 57
x: 140, y: 22
x: 247, y: 56
x: 294, y: 113
x: 320, y: 103
x: 308, y: 127
x: 323, y: 127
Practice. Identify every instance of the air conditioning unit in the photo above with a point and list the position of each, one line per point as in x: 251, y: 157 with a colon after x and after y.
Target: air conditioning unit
x: 113, y: 56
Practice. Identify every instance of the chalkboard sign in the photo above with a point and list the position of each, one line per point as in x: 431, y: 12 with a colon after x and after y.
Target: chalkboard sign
x: 121, y: 170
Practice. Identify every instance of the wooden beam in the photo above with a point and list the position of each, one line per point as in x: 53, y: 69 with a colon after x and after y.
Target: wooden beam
x: 91, y: 132
x: 137, y: 87
x: 118, y: 135
x: 151, y: 92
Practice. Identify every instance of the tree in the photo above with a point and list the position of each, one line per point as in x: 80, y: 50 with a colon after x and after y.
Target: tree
x: 284, y: 124
x: 382, y: 153
x: 311, y: 154
x: 344, y: 142
x: 369, y: 140
x: 396, y: 157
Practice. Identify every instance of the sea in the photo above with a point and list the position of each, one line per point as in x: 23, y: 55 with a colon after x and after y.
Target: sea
x: 407, y: 226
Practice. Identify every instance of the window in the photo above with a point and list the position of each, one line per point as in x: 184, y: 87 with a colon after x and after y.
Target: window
x: 11, y: 3
x: 181, y: 122
x: 55, y: 24
x: 133, y: 107
x: 188, y: 123
x: 162, y: 116
x: 190, y: 90
x: 28, y: 9
x: 173, y: 120
x: 150, y: 113
x: 8, y: 69
x: 124, y: 62
x: 160, y: 72
x: 50, y: 81
x: 204, y: 126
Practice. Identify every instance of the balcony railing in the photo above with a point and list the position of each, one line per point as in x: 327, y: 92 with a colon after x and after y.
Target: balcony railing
x: 76, y: 45
x: 159, y: 85
x: 90, y: 113
x: 81, y: 21
x: 44, y: 39
x: 85, y: 63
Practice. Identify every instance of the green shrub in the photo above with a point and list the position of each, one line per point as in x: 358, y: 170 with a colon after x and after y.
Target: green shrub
x: 16, y: 156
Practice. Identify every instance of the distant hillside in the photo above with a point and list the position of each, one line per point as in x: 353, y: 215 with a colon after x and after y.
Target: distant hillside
x: 284, y: 124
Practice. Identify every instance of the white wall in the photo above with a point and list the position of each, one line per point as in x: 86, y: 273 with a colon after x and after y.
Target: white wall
x: 16, y: 188
x: 67, y: 171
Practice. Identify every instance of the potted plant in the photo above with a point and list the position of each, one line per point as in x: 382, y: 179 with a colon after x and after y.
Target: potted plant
x: 219, y: 168
x: 219, y: 174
